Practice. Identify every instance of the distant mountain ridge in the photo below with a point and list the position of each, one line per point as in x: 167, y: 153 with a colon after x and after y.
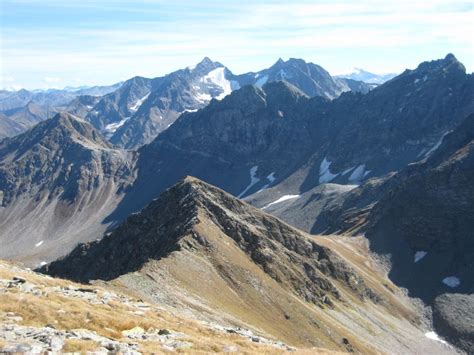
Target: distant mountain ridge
x: 134, y: 112
x: 134, y: 117
x: 51, y: 97
x: 23, y: 109
x: 368, y: 77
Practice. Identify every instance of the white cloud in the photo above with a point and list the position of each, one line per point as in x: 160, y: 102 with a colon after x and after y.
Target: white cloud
x: 50, y: 79
x: 8, y: 79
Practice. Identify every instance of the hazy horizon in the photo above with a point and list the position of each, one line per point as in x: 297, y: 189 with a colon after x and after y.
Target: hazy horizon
x: 57, y: 44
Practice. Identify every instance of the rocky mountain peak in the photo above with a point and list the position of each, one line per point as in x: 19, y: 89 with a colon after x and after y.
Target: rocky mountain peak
x: 58, y: 132
x: 206, y: 65
x: 197, y: 245
x: 278, y: 62
x: 24, y: 93
x: 297, y: 62
x: 449, y: 65
x: 188, y: 217
x: 78, y: 130
x: 248, y: 99
x: 290, y: 64
x: 71, y: 173
x: 282, y: 91
x: 206, y: 61
x: 57, y: 156
x: 450, y: 57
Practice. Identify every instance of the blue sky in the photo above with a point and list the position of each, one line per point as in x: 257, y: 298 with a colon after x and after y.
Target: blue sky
x: 57, y: 43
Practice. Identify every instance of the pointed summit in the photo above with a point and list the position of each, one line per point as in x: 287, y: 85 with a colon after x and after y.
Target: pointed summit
x: 450, y: 57
x: 59, y: 132
x: 205, y: 66
x: 448, y: 64
x: 279, y: 62
x: 173, y: 223
x: 205, y: 61
x: 282, y: 91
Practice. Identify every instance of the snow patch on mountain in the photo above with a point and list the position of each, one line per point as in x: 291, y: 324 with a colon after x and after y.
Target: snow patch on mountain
x: 217, y: 78
x: 281, y: 199
x: 452, y: 281
x: 138, y: 103
x: 283, y: 74
x: 271, y: 177
x: 253, y: 180
x: 420, y: 255
x: 359, y: 173
x: 347, y: 171
x: 325, y: 174
x: 433, y: 336
x: 437, y: 145
x: 203, y: 97
x: 112, y: 127
x: 261, y: 81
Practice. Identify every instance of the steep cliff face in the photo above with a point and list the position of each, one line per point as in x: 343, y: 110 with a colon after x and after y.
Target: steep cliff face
x: 424, y: 209
x: 429, y: 209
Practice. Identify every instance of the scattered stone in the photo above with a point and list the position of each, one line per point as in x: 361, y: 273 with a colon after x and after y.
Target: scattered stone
x: 348, y: 345
x: 164, y: 332
x: 90, y: 290
x: 18, y: 279
x: 134, y: 333
x: 327, y: 301
x: 12, y: 317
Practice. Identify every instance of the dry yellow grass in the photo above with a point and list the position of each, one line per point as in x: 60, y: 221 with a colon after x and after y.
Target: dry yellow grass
x: 110, y: 319
x: 79, y: 346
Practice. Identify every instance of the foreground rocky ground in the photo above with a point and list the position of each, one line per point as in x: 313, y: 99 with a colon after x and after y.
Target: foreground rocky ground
x: 42, y: 314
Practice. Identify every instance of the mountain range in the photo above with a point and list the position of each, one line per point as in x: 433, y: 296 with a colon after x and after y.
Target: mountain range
x: 368, y: 77
x: 22, y: 109
x: 380, y: 176
x: 274, y: 138
x: 134, y: 112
